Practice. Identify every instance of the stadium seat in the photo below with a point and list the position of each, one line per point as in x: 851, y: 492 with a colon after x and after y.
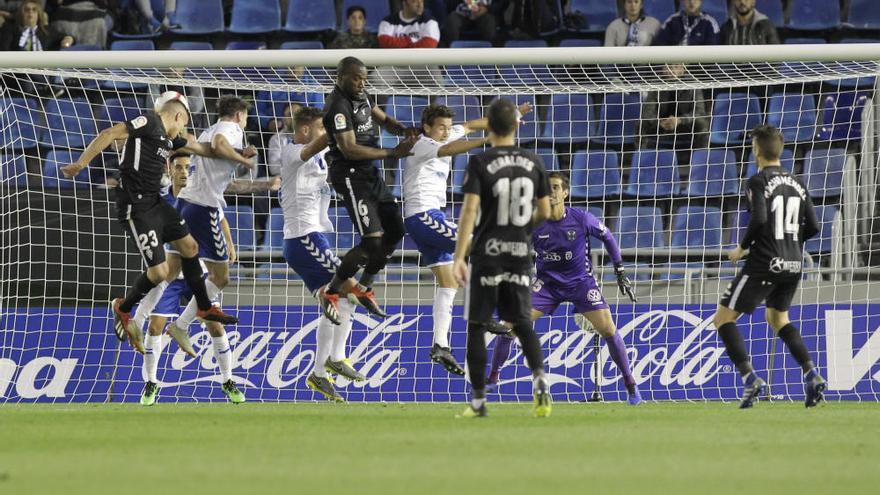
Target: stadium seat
x: 470, y: 75
x: 822, y: 242
x: 597, y: 212
x: 376, y: 11
x: 529, y: 130
x: 734, y: 115
x: 274, y: 238
x: 842, y: 116
x: 406, y: 109
x: 794, y: 115
x: 598, y: 13
x: 302, y: 45
x: 579, y: 42
x: 773, y: 10
x: 241, y: 223
x: 787, y: 161
x: 697, y: 227
x: 525, y: 44
x: 13, y: 171
x: 864, y: 14
x: 595, y: 175
x: 713, y: 173
x: 665, y: 271
x: 255, y: 17
x: 525, y: 75
x: 191, y: 45
x: 654, y: 174
x: 459, y: 165
x: 117, y: 110
x: 69, y: 123
x: 270, y: 105
x: 618, y: 116
x: 549, y: 157
x: 345, y: 236
x: 639, y: 227
x: 569, y: 120
x: 52, y: 176
x: 311, y: 16
x: 715, y: 8
x: 82, y: 48
x: 470, y: 44
x: 246, y: 45
x: 199, y: 17
x: 20, y: 121
x: 465, y: 107
x: 823, y: 172
x: 635, y: 271
x: 805, y: 41
x: 659, y: 9
x: 133, y: 45
x: 814, y: 15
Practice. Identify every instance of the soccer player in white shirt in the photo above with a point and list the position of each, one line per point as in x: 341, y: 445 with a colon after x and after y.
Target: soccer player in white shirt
x: 425, y: 176
x: 305, y: 199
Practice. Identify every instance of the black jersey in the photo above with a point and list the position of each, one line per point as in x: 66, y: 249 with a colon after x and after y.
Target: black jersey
x: 782, y: 219
x: 508, y: 180
x: 144, y: 158
x: 342, y: 114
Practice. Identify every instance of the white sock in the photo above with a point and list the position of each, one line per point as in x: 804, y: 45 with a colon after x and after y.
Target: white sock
x: 223, y: 355
x: 325, y: 335
x: 443, y: 299
x: 148, y: 303
x: 189, y: 313
x: 341, y: 331
x: 153, y: 348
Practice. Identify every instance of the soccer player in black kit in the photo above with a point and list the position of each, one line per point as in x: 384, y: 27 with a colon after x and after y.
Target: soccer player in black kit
x: 350, y: 120
x: 506, y: 187
x: 782, y: 219
x: 148, y: 219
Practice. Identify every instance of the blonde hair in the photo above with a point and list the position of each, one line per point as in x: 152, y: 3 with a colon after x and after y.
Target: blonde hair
x: 42, y: 18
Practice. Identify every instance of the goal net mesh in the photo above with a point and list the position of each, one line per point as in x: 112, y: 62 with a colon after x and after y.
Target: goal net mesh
x: 659, y: 152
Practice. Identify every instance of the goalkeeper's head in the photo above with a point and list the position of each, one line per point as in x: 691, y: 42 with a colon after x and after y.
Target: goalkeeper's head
x: 351, y: 76
x: 767, y: 144
x: 307, y: 125
x: 503, y: 117
x: 559, y: 188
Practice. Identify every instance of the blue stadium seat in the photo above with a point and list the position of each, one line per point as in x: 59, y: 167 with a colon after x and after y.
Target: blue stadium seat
x: 52, y: 176
x: 271, y: 104
x: 246, y: 45
x: 20, y: 121
x: 842, y: 116
x: 794, y: 115
x: 191, y: 45
x: 713, y: 173
x: 579, y: 42
x: 470, y: 44
x: 773, y: 10
x: 530, y: 129
x: 117, y: 110
x: 406, y: 109
x: 734, y: 115
x: 82, y: 48
x: 822, y: 242
x: 69, y: 123
x: 618, y: 116
x: 525, y: 74
x: 255, y: 17
x: 274, y: 238
x: 598, y: 13
x: 311, y: 16
x: 715, y: 8
x: 459, y: 165
x: 241, y: 223
x: 823, y: 172
x: 805, y: 41
x: 595, y: 175
x: 302, y: 45
x: 864, y: 14
x: 465, y: 107
x: 738, y: 227
x: 525, y: 44
x: 654, y: 174
x: 697, y: 227
x: 346, y: 234
x: 637, y: 272
x: 199, y: 17
x: 133, y: 45
x: 639, y: 227
x: 376, y: 11
x: 468, y: 76
x: 659, y: 9
x: 13, y: 171
x: 569, y: 120
x: 815, y: 15
x: 597, y: 212
x: 859, y: 40
x: 787, y: 161
x: 548, y: 156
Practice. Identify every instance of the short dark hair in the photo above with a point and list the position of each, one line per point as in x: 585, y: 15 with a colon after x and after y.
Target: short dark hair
x: 179, y: 154
x: 432, y: 112
x: 353, y: 9
x: 307, y: 115
x: 347, y: 64
x: 566, y: 184
x: 770, y: 141
x: 229, y: 105
x: 502, y: 117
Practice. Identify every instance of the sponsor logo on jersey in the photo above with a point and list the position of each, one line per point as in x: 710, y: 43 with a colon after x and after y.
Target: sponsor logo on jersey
x: 139, y: 122
x: 511, y: 278
x: 495, y: 247
x: 779, y: 265
x: 552, y: 257
x: 571, y: 235
x: 366, y: 126
x: 594, y: 296
x: 339, y: 121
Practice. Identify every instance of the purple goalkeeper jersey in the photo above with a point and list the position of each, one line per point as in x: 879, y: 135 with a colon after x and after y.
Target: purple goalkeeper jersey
x: 563, y: 247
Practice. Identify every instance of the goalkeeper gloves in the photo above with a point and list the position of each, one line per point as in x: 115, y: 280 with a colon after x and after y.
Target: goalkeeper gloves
x: 623, y: 282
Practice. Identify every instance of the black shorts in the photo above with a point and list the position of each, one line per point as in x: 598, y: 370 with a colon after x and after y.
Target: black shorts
x: 747, y: 291
x: 368, y: 200
x: 493, y: 286
x: 151, y: 225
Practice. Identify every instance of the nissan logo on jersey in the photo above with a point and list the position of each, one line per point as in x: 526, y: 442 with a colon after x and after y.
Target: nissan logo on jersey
x: 779, y: 265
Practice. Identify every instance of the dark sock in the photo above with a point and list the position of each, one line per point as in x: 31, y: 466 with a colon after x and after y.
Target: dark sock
x: 476, y: 356
x: 141, y: 286
x: 192, y: 273
x: 367, y: 279
x: 617, y: 349
x: 503, y: 343
x: 531, y: 345
x: 792, y: 338
x: 349, y: 265
x: 736, y: 347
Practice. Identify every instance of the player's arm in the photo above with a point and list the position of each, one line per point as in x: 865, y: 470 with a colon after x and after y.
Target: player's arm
x: 230, y: 246
x: 222, y: 149
x: 347, y: 144
x: 483, y: 123
x: 391, y: 124
x: 758, y: 209
x: 104, y: 139
x: 542, y: 193
x: 314, y: 147
x: 465, y: 231
x: 254, y: 186
x: 597, y: 229
x: 461, y: 146
x: 811, y: 220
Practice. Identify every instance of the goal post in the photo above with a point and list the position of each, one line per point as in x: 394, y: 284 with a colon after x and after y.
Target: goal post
x: 655, y: 142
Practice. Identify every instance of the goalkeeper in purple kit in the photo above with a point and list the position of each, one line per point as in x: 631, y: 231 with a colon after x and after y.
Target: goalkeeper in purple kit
x: 565, y: 274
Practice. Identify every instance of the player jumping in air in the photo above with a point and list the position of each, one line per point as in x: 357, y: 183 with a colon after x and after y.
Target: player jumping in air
x: 565, y: 274
x: 148, y: 219
x: 782, y: 219
x: 305, y: 198
x: 353, y: 139
x: 508, y: 185
x: 425, y: 176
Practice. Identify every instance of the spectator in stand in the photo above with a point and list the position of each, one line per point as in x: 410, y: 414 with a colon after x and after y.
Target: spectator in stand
x: 634, y: 28
x: 409, y: 28
x: 748, y: 26
x: 357, y: 35
x: 280, y: 139
x: 690, y: 26
x: 29, y: 32
x: 470, y: 14
x: 675, y: 119
x: 146, y: 9
x: 83, y: 19
x: 8, y: 10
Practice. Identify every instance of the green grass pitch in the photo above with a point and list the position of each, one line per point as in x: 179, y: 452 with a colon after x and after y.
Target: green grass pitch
x: 357, y: 449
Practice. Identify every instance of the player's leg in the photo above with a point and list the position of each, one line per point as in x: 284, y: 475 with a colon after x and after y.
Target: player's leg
x: 604, y: 324
x: 480, y: 303
x: 223, y: 356
x: 148, y: 303
x: 501, y: 352
x: 153, y: 351
x: 778, y: 303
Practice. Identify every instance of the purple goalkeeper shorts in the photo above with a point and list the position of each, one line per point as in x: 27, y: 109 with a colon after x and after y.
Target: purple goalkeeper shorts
x: 584, y: 295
